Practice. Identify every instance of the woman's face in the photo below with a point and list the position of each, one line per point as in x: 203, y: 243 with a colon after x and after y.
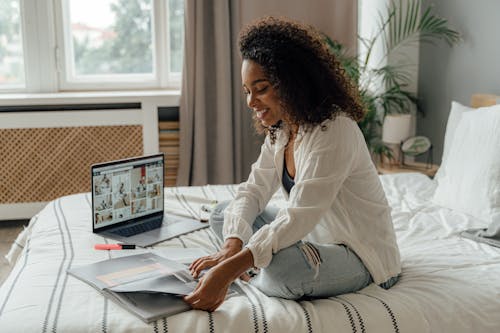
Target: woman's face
x: 262, y: 98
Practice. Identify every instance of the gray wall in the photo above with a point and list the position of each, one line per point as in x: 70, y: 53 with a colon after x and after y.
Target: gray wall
x: 447, y: 74
x: 336, y: 18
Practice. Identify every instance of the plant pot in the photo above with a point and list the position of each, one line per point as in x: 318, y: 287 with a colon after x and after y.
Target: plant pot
x: 396, y: 129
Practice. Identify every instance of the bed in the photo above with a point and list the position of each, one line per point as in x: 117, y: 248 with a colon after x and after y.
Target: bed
x: 449, y: 283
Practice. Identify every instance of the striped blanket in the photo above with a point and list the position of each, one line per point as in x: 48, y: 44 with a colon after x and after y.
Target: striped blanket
x: 39, y: 296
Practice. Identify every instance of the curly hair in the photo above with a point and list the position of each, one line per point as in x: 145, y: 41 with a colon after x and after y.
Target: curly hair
x: 309, y: 81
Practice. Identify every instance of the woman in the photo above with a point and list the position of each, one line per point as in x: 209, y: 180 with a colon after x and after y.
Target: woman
x: 335, y: 234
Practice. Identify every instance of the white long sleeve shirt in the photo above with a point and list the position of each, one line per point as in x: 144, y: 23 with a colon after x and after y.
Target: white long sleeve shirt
x: 337, y: 199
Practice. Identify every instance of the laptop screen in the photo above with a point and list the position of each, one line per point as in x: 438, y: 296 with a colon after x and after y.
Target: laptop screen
x: 125, y: 190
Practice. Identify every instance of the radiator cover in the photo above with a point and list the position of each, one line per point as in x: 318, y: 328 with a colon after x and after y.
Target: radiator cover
x: 41, y: 164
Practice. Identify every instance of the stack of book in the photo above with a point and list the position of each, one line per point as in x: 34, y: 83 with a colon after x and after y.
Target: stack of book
x: 169, y: 144
x: 147, y: 285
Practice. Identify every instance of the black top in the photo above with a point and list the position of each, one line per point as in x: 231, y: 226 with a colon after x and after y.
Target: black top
x: 288, y: 181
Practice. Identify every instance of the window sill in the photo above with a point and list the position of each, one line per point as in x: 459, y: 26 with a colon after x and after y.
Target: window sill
x: 168, y: 97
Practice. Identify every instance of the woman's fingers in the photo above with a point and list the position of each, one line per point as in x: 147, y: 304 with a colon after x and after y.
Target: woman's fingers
x: 204, y: 262
x: 196, y: 301
x: 191, y: 298
x: 196, y: 263
x: 195, y: 270
x: 209, y: 261
x: 194, y: 266
x: 206, y: 296
x: 199, y: 260
x: 201, y: 266
x: 203, y: 303
x: 199, y: 305
x: 194, y: 296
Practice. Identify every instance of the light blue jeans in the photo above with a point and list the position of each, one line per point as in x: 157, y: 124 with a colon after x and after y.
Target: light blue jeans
x: 304, y: 269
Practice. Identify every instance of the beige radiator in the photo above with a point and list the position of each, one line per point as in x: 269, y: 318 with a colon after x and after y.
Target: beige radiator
x: 41, y: 164
x: 49, y: 140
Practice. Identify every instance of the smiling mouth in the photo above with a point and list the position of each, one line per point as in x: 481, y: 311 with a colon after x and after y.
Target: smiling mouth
x: 260, y: 114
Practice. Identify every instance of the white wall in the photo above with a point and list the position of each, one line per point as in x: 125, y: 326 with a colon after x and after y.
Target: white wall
x: 368, y: 25
x: 369, y: 19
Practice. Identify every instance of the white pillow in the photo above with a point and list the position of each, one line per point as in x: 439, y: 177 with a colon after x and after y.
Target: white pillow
x: 454, y: 117
x: 470, y: 180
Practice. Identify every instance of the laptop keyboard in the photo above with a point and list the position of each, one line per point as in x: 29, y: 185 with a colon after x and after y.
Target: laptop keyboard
x: 138, y: 228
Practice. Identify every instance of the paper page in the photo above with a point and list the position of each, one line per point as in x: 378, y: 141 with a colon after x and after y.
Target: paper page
x: 165, y: 284
x: 180, y: 254
x: 124, y: 270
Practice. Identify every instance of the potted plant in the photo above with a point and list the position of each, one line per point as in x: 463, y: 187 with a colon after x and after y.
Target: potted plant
x: 404, y: 23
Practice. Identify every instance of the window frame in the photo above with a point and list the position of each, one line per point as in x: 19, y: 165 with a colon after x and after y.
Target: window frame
x: 45, y: 56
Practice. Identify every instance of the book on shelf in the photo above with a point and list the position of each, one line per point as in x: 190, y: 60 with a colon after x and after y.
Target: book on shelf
x: 147, y: 285
x: 171, y: 159
x: 172, y: 163
x: 170, y: 181
x: 168, y: 125
x: 169, y: 143
x: 171, y: 150
x: 169, y: 135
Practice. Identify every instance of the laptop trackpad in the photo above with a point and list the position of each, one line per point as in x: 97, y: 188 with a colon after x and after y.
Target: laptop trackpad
x: 171, y: 227
x: 174, y: 227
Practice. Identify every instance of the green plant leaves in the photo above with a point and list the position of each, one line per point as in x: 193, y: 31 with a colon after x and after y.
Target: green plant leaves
x: 402, y: 24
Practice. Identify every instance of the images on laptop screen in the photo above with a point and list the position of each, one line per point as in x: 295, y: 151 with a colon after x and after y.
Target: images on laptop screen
x: 128, y: 189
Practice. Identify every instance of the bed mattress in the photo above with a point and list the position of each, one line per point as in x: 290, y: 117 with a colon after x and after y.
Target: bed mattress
x: 448, y: 283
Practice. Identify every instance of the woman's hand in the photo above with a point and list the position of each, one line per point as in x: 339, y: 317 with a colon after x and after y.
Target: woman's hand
x: 231, y: 247
x: 212, y: 287
x: 211, y: 290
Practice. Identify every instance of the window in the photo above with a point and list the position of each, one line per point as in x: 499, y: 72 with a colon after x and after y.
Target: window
x: 90, y: 44
x: 176, y: 36
x: 11, y: 45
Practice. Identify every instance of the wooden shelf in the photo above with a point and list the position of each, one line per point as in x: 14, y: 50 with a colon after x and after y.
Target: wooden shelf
x: 385, y: 169
x: 169, y: 144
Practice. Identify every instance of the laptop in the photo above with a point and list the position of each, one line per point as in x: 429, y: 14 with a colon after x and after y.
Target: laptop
x: 128, y: 200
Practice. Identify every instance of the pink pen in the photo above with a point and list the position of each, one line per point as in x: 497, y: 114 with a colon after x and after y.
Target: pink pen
x: 114, y: 247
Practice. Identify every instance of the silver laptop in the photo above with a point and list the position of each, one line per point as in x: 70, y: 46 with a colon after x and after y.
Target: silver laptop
x: 128, y: 200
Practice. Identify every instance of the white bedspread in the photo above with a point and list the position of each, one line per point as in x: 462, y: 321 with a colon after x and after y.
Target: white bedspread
x: 449, y: 284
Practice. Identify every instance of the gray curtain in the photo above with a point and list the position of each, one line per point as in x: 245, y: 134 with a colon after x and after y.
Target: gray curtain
x: 217, y: 141
x: 211, y: 108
